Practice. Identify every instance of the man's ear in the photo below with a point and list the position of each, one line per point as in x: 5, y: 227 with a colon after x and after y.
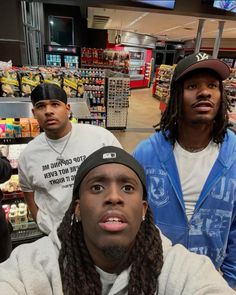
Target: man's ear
x: 33, y: 112
x: 77, y: 209
x: 68, y: 107
x: 145, y: 206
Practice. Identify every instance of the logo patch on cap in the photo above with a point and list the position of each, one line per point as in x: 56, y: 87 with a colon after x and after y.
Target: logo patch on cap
x: 109, y: 156
x: 202, y: 56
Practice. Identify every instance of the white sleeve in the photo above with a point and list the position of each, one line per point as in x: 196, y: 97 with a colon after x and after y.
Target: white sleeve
x: 112, y: 140
x: 186, y: 273
x: 23, y: 179
x: 10, y: 282
x: 31, y: 269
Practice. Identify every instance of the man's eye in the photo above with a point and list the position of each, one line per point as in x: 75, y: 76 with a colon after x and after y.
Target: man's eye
x: 128, y: 188
x: 39, y: 106
x: 213, y: 85
x: 97, y: 188
x: 55, y: 104
x: 191, y: 86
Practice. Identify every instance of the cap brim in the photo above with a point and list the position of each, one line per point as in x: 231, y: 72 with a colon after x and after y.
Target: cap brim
x: 221, y: 68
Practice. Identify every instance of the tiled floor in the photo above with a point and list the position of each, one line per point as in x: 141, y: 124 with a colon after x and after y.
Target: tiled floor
x: 143, y: 113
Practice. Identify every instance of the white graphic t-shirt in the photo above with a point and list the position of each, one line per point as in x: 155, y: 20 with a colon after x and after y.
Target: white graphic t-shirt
x: 52, y: 180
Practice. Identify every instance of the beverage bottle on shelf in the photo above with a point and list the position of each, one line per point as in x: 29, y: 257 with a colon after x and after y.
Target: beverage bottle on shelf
x: 22, y: 215
x: 13, y: 218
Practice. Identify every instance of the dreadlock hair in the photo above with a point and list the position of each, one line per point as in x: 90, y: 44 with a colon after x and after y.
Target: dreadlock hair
x: 78, y: 273
x: 168, y: 124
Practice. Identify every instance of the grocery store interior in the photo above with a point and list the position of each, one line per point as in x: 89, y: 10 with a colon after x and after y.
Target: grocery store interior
x: 115, y: 60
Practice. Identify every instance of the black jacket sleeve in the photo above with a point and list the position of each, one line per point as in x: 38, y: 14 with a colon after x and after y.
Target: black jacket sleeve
x: 5, y: 169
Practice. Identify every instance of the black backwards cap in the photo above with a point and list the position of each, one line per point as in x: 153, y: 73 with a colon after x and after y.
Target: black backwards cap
x: 200, y: 60
x: 108, y: 155
x: 45, y: 91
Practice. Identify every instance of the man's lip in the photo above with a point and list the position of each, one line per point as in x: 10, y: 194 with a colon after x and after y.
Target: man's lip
x: 52, y: 120
x: 113, y: 214
x: 203, y: 103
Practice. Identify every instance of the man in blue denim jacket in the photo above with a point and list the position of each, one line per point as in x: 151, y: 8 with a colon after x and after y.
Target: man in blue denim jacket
x: 190, y: 163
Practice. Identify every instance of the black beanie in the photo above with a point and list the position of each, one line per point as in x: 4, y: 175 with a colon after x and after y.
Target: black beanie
x: 45, y: 91
x: 107, y: 155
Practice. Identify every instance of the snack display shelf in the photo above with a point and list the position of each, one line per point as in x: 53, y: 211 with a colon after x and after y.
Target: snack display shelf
x: 161, y: 87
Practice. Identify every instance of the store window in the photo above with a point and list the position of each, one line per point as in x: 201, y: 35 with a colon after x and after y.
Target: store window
x: 32, y: 26
x: 61, y: 30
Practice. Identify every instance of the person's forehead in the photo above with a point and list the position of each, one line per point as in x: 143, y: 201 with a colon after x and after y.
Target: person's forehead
x: 49, y: 101
x: 109, y: 170
x: 201, y: 73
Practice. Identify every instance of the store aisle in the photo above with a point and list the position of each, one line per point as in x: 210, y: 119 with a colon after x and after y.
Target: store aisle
x: 143, y: 113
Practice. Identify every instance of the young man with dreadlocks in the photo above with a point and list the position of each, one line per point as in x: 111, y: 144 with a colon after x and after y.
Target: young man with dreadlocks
x: 108, y: 244
x: 190, y: 163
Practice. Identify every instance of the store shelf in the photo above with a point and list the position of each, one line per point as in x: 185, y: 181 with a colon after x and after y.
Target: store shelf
x: 27, y: 232
x: 16, y: 140
x: 13, y: 195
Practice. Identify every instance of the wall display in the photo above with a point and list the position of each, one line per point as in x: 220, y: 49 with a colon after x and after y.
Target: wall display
x: 86, y: 86
x: 161, y: 86
x: 230, y: 87
x: 118, y: 91
x: 228, y: 5
x: 92, y: 81
x: 105, y: 58
x: 62, y: 56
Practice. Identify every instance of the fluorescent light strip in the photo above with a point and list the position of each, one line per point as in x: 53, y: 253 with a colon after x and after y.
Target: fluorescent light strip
x: 137, y: 19
x: 177, y: 27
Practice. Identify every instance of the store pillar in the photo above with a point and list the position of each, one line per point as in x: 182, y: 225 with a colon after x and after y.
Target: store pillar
x: 199, y: 35
x: 218, y: 38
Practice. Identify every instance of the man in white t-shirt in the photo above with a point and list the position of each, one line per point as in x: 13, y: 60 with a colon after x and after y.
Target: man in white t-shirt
x: 48, y: 164
x: 190, y: 163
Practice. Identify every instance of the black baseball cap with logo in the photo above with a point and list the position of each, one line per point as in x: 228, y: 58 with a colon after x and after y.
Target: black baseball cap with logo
x: 109, y: 155
x: 200, y: 60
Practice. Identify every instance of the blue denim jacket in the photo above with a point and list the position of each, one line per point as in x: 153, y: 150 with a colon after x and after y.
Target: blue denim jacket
x: 212, y: 228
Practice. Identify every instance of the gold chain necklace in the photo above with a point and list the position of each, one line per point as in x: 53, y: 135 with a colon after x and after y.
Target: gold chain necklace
x: 60, y: 156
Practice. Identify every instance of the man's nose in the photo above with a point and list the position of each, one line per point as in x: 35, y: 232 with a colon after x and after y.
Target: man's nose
x: 48, y: 109
x: 114, y: 196
x: 204, y: 91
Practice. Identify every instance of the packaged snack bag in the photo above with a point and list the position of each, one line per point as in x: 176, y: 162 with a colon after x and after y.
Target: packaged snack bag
x: 9, y: 127
x: 25, y: 127
x: 2, y: 128
x: 29, y: 80
x: 10, y: 84
x: 53, y: 76
x: 16, y: 128
x: 70, y: 80
x: 80, y: 88
x: 34, y: 127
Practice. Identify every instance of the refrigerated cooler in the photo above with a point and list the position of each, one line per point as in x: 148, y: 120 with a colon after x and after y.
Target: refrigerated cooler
x: 62, y: 56
x: 139, y: 66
